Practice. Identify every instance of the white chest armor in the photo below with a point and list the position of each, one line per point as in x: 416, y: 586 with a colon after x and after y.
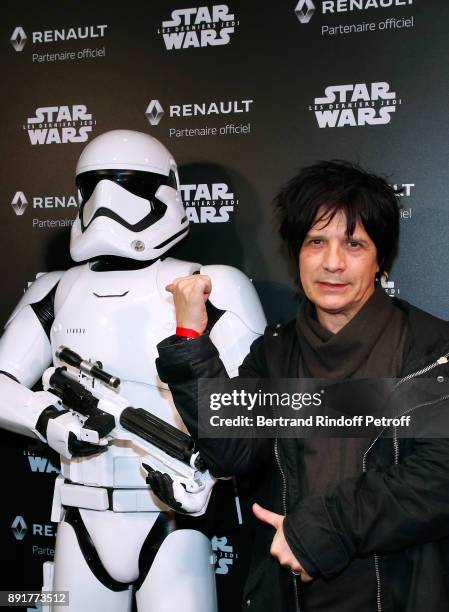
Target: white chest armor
x: 118, y: 318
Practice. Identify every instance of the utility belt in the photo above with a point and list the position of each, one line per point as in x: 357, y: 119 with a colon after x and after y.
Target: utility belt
x: 105, y: 498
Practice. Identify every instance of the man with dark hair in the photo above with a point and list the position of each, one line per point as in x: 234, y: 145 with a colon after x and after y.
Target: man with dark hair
x: 358, y: 526
x: 338, y: 186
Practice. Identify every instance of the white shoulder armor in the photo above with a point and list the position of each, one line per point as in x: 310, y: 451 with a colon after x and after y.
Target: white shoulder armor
x: 233, y: 291
x: 243, y: 319
x: 25, y: 349
x: 36, y: 292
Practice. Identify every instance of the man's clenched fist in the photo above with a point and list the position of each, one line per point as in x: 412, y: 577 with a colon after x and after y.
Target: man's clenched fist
x: 190, y: 294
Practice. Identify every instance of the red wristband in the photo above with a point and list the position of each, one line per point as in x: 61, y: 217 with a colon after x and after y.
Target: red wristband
x: 186, y: 332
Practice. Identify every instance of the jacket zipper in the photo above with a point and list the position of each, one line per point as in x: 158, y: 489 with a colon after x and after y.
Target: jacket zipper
x: 440, y: 361
x: 284, y: 509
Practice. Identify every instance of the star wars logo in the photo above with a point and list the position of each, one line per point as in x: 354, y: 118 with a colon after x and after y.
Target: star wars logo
x: 208, y: 203
x: 197, y: 27
x: 224, y: 554
x: 355, y: 105
x: 59, y: 125
x: 42, y: 465
x: 20, y: 202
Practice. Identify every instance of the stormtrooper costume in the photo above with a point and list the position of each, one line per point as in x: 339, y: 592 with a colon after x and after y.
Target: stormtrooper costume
x: 114, y: 536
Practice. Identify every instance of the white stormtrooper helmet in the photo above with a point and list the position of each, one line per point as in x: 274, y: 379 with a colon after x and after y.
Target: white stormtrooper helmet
x: 130, y: 204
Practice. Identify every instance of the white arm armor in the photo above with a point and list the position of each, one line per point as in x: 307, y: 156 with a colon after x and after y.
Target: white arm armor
x: 20, y: 408
x: 243, y: 320
x: 25, y: 352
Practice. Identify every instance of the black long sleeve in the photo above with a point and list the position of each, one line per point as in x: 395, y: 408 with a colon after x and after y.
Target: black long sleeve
x: 181, y: 365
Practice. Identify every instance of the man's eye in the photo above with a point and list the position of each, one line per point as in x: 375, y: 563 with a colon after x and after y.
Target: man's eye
x: 353, y: 244
x: 315, y: 241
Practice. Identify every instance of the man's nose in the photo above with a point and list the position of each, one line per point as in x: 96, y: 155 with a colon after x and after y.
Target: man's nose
x: 333, y: 259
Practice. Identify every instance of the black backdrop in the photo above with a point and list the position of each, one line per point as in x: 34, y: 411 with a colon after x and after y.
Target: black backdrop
x: 254, y: 91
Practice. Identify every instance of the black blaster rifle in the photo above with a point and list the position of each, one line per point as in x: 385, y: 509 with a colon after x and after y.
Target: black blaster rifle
x: 92, y: 394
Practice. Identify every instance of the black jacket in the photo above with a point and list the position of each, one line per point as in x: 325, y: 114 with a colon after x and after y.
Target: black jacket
x: 396, y: 510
